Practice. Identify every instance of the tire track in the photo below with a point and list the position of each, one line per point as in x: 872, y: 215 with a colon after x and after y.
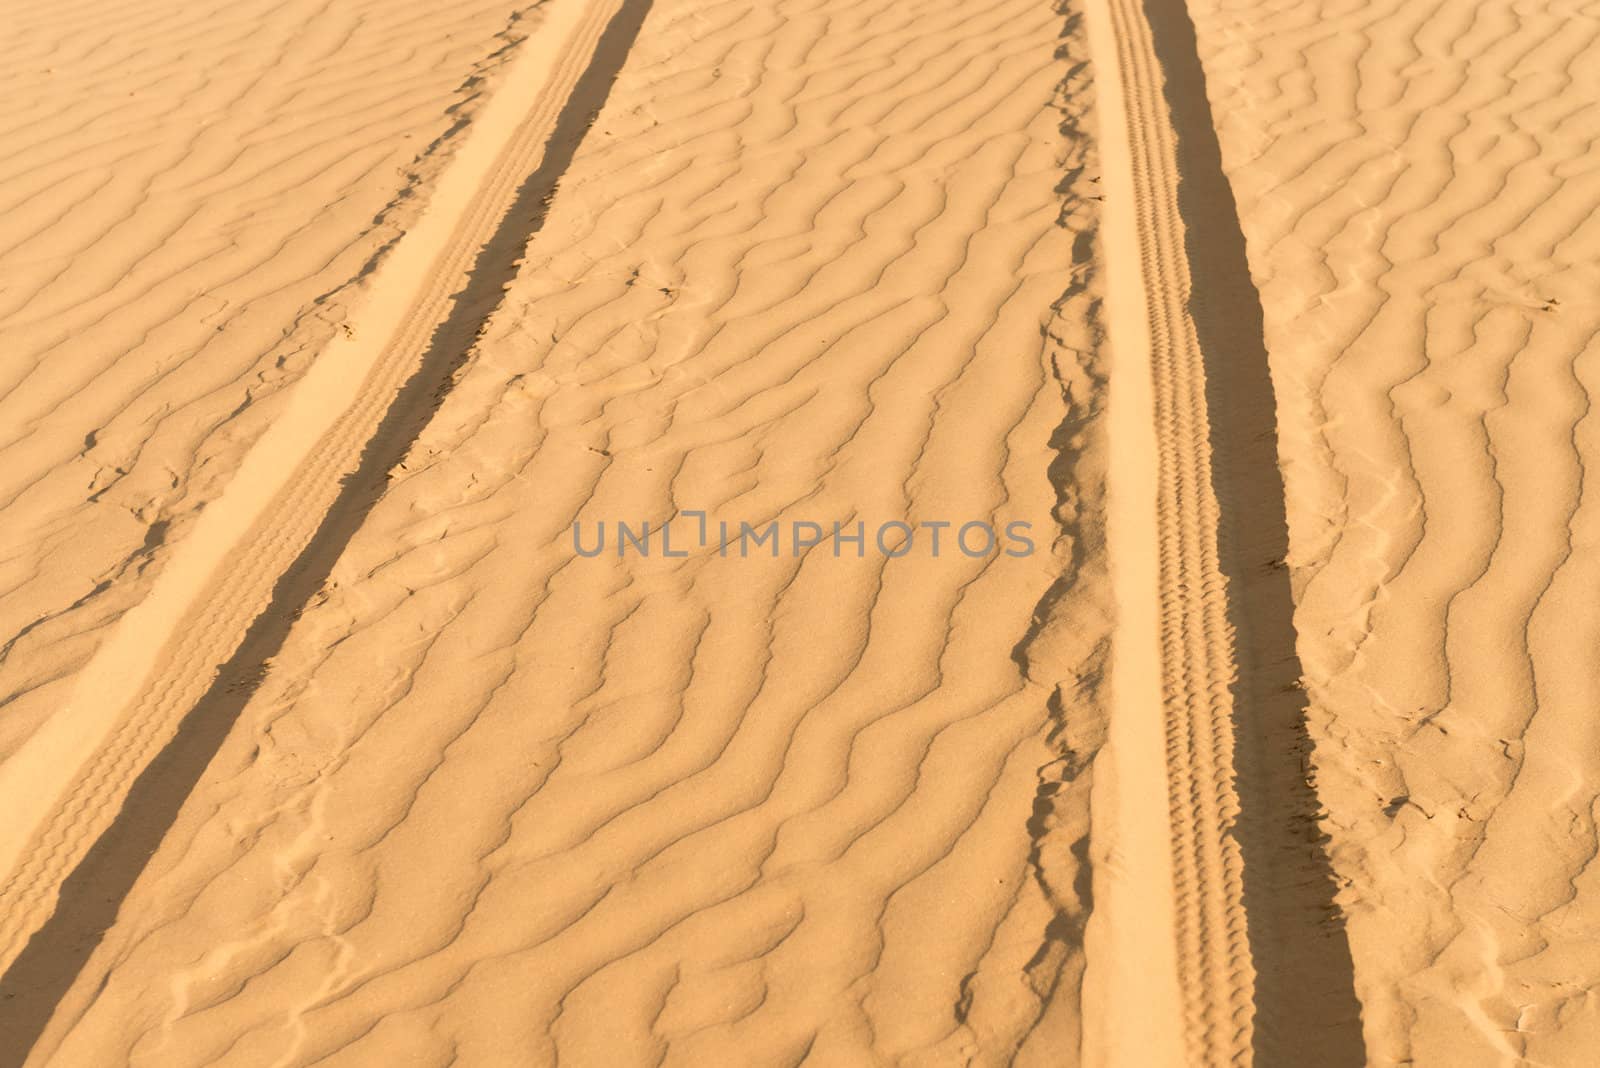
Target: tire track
x: 344, y: 419
x: 1194, y: 636
x: 1262, y: 961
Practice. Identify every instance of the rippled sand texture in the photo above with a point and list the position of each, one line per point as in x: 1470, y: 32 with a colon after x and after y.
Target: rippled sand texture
x: 497, y: 804
x: 1417, y: 185
x: 187, y: 192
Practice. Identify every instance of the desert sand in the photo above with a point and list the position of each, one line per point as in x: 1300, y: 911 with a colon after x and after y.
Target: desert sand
x: 700, y: 532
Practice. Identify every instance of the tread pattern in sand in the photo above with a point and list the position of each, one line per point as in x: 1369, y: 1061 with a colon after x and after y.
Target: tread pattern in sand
x: 1195, y: 637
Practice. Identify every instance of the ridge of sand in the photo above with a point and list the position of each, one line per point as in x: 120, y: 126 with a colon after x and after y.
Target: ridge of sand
x: 1417, y: 187
x: 810, y: 263
x: 65, y: 784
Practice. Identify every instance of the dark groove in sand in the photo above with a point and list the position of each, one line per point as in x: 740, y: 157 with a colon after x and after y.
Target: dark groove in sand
x: 1306, y: 1012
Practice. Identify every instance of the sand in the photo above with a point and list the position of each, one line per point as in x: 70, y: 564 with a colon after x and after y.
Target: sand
x: 1223, y: 362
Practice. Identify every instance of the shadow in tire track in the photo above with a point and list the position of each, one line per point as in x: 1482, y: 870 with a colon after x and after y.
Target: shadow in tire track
x: 92, y: 895
x: 1306, y: 1012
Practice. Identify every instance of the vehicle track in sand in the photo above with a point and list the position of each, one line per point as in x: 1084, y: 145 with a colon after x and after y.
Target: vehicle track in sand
x: 68, y: 782
x: 1263, y: 966
x: 1192, y: 648
x: 1196, y: 639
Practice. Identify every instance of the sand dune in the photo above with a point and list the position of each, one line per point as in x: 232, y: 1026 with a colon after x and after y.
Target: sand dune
x: 709, y: 532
